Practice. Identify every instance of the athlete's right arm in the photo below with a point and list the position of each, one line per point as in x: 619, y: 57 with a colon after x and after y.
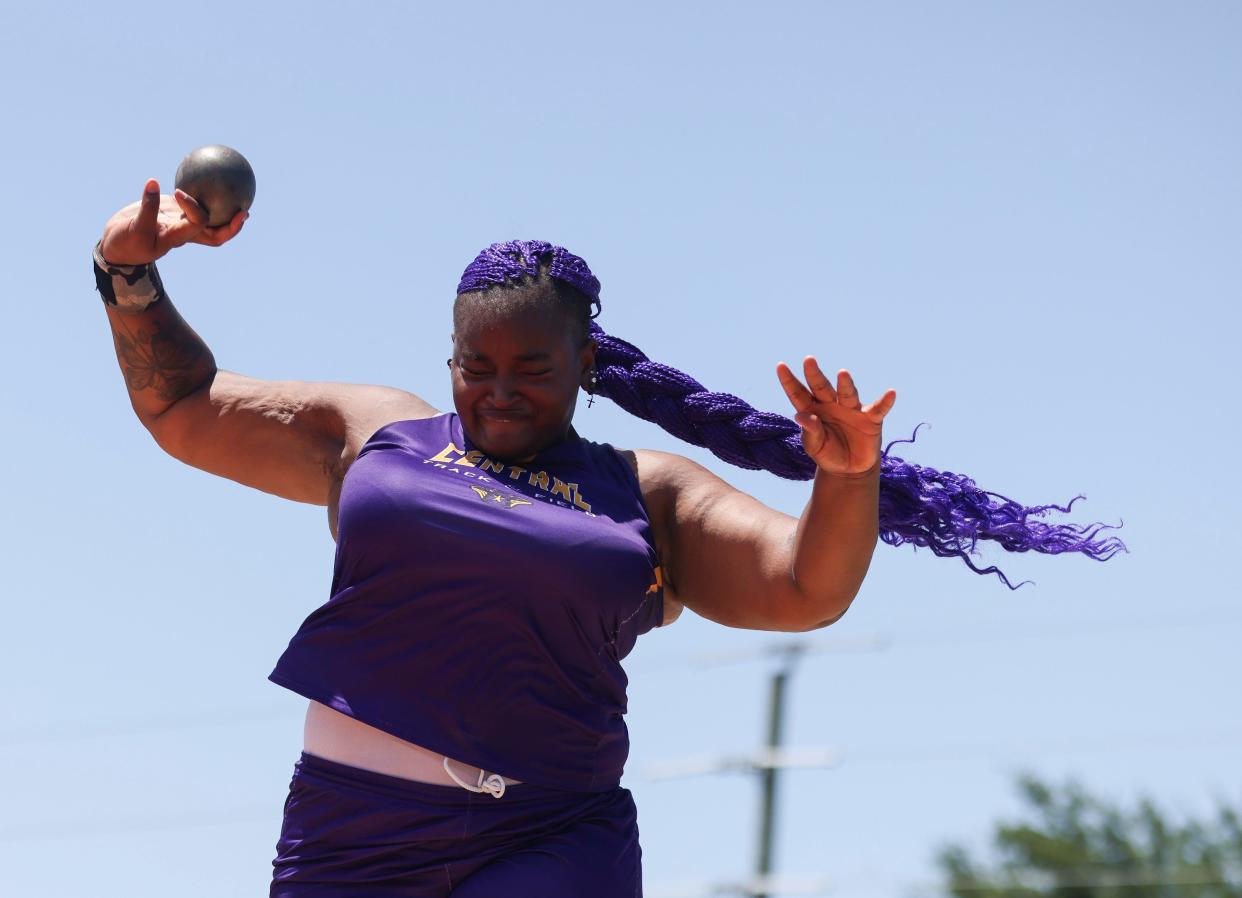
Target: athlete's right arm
x: 290, y: 438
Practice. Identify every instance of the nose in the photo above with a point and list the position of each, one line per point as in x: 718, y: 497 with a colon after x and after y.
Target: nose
x: 503, y: 392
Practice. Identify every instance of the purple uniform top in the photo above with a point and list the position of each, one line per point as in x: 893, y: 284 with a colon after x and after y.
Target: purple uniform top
x: 482, y: 609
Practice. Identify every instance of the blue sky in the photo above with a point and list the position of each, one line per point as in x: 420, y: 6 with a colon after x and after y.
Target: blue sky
x: 1022, y: 217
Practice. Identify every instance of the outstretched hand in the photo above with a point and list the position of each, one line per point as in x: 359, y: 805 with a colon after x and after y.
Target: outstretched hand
x: 839, y: 433
x: 144, y: 231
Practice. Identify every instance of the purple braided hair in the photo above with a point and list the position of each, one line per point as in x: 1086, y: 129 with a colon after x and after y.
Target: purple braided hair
x: 945, y: 512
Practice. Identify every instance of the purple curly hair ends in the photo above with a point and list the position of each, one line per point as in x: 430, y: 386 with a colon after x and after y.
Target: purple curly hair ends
x: 939, y: 510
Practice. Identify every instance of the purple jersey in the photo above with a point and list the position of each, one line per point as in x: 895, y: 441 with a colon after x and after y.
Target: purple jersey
x: 482, y: 609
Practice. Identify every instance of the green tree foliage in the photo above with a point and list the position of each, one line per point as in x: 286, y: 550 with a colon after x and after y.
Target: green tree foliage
x: 1079, y: 846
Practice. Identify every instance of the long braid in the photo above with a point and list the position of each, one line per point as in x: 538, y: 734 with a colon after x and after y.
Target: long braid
x: 721, y: 422
x: 939, y: 510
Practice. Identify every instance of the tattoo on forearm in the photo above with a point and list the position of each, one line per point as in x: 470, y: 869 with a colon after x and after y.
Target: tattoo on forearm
x: 165, y: 362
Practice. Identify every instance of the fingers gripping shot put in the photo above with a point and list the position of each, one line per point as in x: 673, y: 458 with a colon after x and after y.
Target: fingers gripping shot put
x: 465, y: 729
x: 220, y: 180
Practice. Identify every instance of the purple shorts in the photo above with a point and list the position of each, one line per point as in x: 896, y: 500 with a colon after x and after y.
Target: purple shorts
x: 353, y: 833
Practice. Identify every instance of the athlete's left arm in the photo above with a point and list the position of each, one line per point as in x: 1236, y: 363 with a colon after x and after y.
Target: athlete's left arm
x: 731, y: 559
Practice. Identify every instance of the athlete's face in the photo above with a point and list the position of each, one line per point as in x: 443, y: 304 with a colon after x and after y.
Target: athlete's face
x: 516, y: 378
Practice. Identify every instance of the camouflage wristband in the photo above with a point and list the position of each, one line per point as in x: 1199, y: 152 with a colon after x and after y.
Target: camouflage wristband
x: 131, y: 288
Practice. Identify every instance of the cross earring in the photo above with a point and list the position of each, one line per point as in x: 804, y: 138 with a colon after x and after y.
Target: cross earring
x: 591, y: 389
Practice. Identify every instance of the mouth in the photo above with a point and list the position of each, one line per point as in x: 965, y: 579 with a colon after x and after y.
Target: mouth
x: 498, y: 416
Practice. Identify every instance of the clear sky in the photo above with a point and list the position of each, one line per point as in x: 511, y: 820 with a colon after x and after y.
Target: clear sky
x: 1022, y: 217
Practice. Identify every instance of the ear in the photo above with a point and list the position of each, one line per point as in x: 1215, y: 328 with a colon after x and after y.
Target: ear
x: 586, y: 364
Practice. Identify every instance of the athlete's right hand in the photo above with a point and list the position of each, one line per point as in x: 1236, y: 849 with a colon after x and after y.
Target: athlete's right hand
x: 144, y: 231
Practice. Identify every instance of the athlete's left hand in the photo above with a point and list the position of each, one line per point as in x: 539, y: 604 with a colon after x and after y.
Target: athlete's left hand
x: 839, y: 433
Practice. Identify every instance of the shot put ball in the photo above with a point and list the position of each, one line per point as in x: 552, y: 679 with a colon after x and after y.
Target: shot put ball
x: 220, y: 179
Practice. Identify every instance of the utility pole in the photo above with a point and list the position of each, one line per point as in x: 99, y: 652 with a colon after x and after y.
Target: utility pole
x: 776, y: 714
x: 768, y: 762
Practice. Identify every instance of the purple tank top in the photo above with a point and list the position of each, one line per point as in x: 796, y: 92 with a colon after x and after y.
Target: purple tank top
x: 482, y: 609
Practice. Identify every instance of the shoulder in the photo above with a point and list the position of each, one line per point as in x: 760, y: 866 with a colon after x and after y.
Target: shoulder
x: 684, y: 498
x: 659, y: 476
x: 366, y: 409
x: 668, y: 479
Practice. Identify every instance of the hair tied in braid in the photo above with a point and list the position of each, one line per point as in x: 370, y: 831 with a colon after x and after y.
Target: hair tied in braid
x: 516, y: 261
x: 945, y: 512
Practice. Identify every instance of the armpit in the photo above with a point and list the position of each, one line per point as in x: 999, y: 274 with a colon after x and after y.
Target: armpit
x: 672, y: 609
x: 630, y: 459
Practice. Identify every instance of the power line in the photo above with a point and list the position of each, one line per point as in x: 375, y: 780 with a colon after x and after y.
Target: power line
x: 814, y: 886
x: 1175, y: 741
x: 103, y: 826
x: 69, y: 731
x: 872, y: 642
x: 1085, y: 878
